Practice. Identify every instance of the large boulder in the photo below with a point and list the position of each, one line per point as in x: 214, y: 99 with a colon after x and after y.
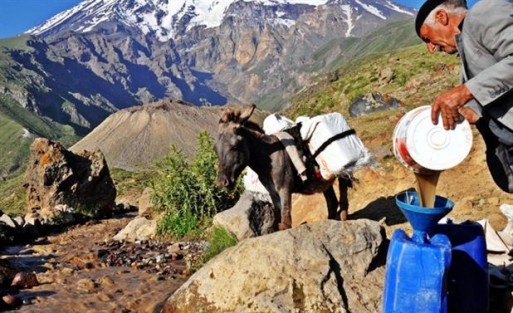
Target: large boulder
x: 56, y: 176
x: 322, y: 267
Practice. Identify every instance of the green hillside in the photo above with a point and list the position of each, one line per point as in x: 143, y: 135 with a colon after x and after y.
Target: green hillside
x: 338, y: 53
x: 15, y: 143
x: 417, y: 77
x: 18, y: 125
x: 18, y: 128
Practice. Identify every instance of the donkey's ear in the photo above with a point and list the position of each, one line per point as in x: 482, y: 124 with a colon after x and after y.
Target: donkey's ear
x: 226, y: 116
x: 247, y: 113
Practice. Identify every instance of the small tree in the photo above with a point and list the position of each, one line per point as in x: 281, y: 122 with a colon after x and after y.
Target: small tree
x: 187, y: 193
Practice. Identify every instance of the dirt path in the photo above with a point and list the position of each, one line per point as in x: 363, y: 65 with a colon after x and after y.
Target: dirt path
x: 75, y: 275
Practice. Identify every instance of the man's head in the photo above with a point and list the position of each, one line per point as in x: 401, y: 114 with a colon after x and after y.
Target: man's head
x: 437, y: 23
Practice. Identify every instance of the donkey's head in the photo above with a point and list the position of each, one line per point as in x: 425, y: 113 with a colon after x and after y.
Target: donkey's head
x: 232, y: 146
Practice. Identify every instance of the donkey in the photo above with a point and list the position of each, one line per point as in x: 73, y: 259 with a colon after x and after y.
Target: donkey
x: 241, y: 143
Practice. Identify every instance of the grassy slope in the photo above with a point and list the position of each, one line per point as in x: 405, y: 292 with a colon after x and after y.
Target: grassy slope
x: 340, y: 52
x: 418, y: 77
x: 14, y: 144
x: 15, y: 121
x: 14, y: 118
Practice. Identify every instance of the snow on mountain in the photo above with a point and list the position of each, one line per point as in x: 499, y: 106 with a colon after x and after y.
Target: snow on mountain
x: 371, y: 9
x: 398, y: 9
x: 348, y: 10
x: 163, y: 17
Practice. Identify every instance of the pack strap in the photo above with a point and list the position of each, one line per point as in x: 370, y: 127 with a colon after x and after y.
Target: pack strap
x: 290, y: 147
x: 332, y: 139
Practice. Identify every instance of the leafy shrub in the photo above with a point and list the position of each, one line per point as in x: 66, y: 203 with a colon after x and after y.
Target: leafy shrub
x: 187, y: 192
x: 219, y: 239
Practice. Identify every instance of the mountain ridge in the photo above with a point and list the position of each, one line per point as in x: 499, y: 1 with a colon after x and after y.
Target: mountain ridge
x: 79, y: 79
x: 165, y: 18
x: 247, y: 53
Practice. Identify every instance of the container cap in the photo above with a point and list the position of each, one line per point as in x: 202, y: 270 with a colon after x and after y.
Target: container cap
x: 435, y: 148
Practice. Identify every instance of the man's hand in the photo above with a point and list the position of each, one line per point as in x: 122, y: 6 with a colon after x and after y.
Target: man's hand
x: 449, y: 103
x: 469, y: 114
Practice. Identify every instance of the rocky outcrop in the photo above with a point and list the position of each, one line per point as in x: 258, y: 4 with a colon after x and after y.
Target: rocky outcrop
x: 321, y: 267
x: 57, y: 176
x: 252, y: 216
x: 373, y: 102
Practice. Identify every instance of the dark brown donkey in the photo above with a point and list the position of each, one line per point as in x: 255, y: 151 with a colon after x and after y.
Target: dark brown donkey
x: 241, y: 143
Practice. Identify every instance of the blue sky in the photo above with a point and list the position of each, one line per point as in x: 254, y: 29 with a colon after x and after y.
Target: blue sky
x: 17, y: 16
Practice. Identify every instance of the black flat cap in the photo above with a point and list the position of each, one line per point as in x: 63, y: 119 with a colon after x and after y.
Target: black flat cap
x: 424, y: 11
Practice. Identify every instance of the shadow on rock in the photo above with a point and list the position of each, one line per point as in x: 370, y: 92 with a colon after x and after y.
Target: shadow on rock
x: 383, y: 207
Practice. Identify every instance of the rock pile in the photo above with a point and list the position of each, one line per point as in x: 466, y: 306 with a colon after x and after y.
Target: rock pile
x: 11, y: 281
x: 152, y: 256
x: 372, y: 102
x: 22, y: 229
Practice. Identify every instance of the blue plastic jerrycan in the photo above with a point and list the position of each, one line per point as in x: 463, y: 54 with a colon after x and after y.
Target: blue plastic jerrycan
x: 416, y: 274
x: 468, y: 278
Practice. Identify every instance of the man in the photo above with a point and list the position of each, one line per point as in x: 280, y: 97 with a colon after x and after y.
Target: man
x: 483, y: 37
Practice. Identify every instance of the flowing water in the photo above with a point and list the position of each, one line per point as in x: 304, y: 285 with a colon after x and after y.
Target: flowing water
x: 75, y: 278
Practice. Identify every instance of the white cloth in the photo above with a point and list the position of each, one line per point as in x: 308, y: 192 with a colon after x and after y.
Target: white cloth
x: 341, y: 156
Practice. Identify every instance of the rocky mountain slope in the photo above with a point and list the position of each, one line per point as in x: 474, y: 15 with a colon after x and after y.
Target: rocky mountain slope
x: 102, y: 55
x: 66, y: 76
x: 136, y: 137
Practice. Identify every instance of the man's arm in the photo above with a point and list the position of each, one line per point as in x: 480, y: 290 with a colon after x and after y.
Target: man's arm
x: 490, y: 28
x: 496, y: 36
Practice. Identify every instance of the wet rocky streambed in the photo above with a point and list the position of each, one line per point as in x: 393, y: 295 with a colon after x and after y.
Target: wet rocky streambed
x: 81, y: 269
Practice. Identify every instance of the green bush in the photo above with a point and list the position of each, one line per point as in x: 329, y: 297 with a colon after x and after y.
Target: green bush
x: 187, y: 193
x: 219, y: 239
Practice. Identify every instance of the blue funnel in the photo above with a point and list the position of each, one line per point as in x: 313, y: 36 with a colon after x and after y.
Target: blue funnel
x: 422, y: 219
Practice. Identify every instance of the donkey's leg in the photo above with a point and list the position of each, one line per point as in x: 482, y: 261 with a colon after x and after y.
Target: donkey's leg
x: 343, y: 185
x: 286, y: 217
x: 331, y: 203
x: 275, y: 197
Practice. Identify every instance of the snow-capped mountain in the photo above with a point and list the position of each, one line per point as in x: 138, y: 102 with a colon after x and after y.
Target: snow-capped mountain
x: 165, y: 18
x: 104, y: 55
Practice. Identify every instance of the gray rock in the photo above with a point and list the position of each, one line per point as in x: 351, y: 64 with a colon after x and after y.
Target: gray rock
x: 146, y: 208
x: 320, y: 267
x: 140, y: 228
x: 251, y: 216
